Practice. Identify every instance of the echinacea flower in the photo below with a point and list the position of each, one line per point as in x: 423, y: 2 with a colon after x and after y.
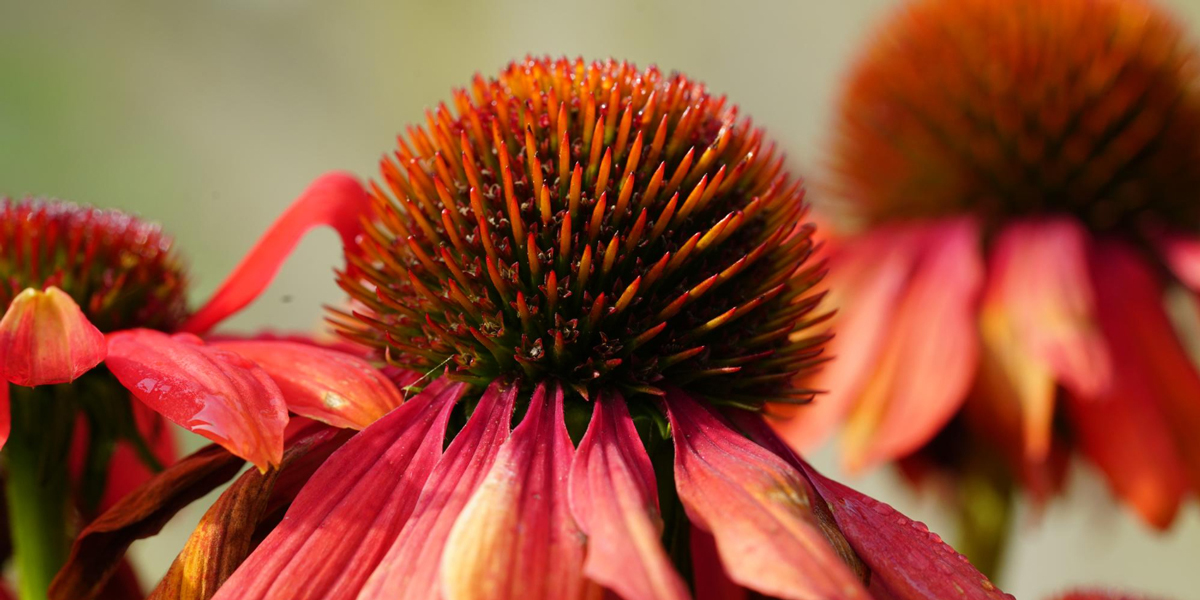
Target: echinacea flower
x: 1024, y: 180
x: 72, y: 275
x: 618, y: 262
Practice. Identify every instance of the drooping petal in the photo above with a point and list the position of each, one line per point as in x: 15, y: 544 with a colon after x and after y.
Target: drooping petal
x: 1038, y: 323
x: 99, y: 548
x: 352, y: 508
x: 409, y: 570
x: 515, y: 537
x: 906, y: 560
x: 46, y: 339
x: 756, y: 506
x: 322, y: 384
x: 930, y: 356
x: 205, y: 390
x: 335, y: 199
x: 867, y: 277
x: 1141, y: 433
x: 709, y: 576
x: 223, y: 538
x: 614, y: 499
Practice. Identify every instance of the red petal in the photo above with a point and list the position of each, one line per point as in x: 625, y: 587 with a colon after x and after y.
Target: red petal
x: 1182, y: 254
x: 329, y: 386
x: 45, y: 339
x: 350, y: 512
x: 867, y: 277
x: 208, y: 391
x: 100, y: 547
x: 757, y: 508
x: 5, y: 414
x: 929, y: 359
x: 614, y: 498
x: 1038, y: 325
x: 1127, y: 431
x: 710, y: 578
x: 127, y: 471
x: 410, y: 569
x: 515, y: 537
x: 225, y: 535
x: 906, y: 559
x: 334, y: 199
x: 1100, y: 595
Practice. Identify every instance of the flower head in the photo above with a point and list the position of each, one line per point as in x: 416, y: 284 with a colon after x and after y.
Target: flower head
x: 595, y: 225
x: 1021, y: 173
x: 607, y: 258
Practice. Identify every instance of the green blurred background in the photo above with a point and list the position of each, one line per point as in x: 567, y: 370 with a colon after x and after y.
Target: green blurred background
x: 209, y: 117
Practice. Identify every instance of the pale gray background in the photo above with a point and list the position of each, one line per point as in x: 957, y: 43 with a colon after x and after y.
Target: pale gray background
x: 210, y: 116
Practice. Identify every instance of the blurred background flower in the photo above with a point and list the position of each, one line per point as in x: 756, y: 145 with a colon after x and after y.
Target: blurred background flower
x: 186, y: 113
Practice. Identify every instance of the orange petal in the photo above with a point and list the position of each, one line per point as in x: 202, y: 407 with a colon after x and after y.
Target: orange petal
x: 353, y: 507
x: 867, y: 276
x: 515, y: 537
x: 323, y: 384
x: 615, y: 501
x: 45, y: 339
x: 1128, y: 431
x: 756, y: 506
x: 208, y: 391
x: 100, y: 547
x: 929, y: 359
x: 409, y: 570
x: 335, y: 199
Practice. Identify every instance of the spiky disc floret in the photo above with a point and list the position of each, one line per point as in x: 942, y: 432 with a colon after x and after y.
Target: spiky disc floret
x: 1088, y: 107
x: 595, y: 224
x: 120, y: 271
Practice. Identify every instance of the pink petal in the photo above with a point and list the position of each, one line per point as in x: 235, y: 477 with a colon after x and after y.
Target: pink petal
x: 614, y: 499
x: 1182, y: 254
x: 352, y: 508
x: 329, y: 386
x: 1128, y: 431
x: 867, y: 277
x: 205, y: 390
x: 906, y: 560
x: 335, y: 199
x: 410, y: 568
x: 709, y: 576
x: 757, y: 508
x: 1038, y: 323
x: 5, y: 414
x: 515, y: 537
x: 929, y: 360
x: 46, y: 339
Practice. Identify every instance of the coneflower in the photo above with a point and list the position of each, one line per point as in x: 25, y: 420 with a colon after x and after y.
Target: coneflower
x: 617, y: 261
x: 72, y: 275
x: 1024, y: 174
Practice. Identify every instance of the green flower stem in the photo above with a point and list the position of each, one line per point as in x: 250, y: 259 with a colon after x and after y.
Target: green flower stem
x: 36, y: 489
x: 986, y: 499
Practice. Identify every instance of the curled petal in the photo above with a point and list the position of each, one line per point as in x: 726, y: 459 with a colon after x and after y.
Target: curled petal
x: 928, y: 361
x: 205, y: 390
x: 330, y: 386
x: 45, y: 339
x: 614, y: 499
x: 756, y: 506
x: 335, y: 199
x: 100, y: 547
x: 224, y: 536
x: 516, y: 537
x: 349, y: 513
x: 409, y: 570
